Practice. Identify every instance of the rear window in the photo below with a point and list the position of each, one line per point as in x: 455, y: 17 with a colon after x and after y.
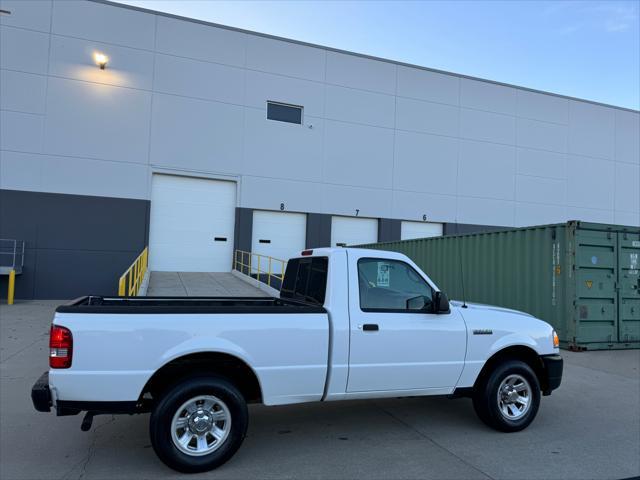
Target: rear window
x: 306, y: 279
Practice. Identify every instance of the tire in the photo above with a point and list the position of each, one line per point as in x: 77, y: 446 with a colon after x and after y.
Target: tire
x: 498, y: 399
x: 207, y: 411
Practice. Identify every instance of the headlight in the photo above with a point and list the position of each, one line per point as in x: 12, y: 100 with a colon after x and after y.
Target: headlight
x: 556, y: 340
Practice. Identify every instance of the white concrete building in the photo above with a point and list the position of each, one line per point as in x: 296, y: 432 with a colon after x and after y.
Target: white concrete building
x: 171, y: 146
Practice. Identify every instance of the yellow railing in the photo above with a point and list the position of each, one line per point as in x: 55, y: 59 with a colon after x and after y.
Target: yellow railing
x: 131, y: 280
x: 261, y: 265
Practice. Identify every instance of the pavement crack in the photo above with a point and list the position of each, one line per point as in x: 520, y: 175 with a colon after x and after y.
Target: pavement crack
x: 186, y: 292
x: 431, y: 440
x: 42, y: 336
x: 92, y: 448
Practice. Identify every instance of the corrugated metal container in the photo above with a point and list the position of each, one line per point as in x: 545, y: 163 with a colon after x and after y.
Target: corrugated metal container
x: 582, y: 278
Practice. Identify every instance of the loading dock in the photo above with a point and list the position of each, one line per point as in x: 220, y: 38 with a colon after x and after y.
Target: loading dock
x: 278, y: 235
x: 411, y: 230
x: 191, y: 224
x: 352, y: 230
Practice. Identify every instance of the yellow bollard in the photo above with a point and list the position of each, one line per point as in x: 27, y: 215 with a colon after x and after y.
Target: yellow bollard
x: 12, y: 287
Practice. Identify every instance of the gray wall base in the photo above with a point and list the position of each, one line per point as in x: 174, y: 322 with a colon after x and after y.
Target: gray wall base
x: 75, y: 244
x: 389, y: 229
x: 466, y: 228
x: 318, y: 230
x: 243, y: 229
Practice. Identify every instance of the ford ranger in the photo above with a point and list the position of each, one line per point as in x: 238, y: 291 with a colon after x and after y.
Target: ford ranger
x: 348, y: 324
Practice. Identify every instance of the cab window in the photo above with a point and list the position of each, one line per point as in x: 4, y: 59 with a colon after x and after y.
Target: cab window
x: 305, y: 279
x: 392, y: 285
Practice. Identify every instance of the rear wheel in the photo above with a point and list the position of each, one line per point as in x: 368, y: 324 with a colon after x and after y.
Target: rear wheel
x: 198, y: 424
x: 509, y: 397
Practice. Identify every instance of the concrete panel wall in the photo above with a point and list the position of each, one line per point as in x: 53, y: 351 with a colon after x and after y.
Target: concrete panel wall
x: 425, y: 162
x: 72, y: 58
x: 281, y: 150
x: 34, y: 15
x: 103, y: 23
x: 357, y: 155
x: 428, y: 86
x: 389, y: 139
x: 196, y: 135
x: 32, y: 54
x: 22, y: 92
x: 361, y: 73
x: 192, y: 40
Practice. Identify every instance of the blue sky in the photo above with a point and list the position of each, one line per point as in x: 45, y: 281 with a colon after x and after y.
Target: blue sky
x: 587, y: 49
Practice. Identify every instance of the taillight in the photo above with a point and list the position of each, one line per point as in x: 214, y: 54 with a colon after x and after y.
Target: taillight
x: 306, y: 253
x: 60, y: 347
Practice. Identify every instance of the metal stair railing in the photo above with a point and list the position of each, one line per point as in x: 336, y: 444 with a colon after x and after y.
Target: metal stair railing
x: 131, y: 280
x: 252, y: 264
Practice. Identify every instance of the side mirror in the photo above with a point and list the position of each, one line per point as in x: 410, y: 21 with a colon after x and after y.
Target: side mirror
x: 416, y: 303
x: 441, y: 303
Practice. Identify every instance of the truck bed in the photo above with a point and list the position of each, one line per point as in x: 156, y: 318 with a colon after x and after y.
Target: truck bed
x: 120, y: 342
x: 159, y: 305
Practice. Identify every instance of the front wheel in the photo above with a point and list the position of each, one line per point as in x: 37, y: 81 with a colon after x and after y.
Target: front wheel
x: 198, y: 424
x: 509, y: 397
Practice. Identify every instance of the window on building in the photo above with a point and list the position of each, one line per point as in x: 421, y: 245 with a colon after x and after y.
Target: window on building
x: 282, y: 112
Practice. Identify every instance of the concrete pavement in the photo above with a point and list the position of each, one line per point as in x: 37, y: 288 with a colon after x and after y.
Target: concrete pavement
x: 199, y: 284
x: 588, y: 429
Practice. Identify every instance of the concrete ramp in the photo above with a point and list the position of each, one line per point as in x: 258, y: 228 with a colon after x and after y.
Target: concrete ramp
x: 199, y: 284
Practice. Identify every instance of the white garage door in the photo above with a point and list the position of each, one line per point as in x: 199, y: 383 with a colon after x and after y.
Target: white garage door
x: 353, y: 231
x: 191, y: 225
x: 420, y: 230
x: 279, y: 235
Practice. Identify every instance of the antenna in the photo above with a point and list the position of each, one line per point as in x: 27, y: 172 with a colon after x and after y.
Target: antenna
x: 459, y: 242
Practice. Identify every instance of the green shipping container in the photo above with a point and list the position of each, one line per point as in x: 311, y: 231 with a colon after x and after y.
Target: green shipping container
x: 582, y: 278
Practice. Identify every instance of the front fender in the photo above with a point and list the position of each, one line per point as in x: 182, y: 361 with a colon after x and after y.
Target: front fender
x: 490, y: 332
x: 511, y: 340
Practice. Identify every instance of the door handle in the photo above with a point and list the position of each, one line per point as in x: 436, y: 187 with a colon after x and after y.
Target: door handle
x: 370, y: 327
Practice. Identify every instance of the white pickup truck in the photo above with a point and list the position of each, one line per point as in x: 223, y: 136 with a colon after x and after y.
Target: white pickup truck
x: 349, y: 324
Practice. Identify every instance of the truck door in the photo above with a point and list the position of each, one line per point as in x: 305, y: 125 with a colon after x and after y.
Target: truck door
x: 396, y: 343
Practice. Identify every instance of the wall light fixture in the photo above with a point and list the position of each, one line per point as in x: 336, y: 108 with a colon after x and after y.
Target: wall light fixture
x: 101, y: 59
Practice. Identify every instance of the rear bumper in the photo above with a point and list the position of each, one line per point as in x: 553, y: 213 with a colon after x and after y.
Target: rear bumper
x: 41, y: 395
x: 43, y: 401
x: 553, y: 365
